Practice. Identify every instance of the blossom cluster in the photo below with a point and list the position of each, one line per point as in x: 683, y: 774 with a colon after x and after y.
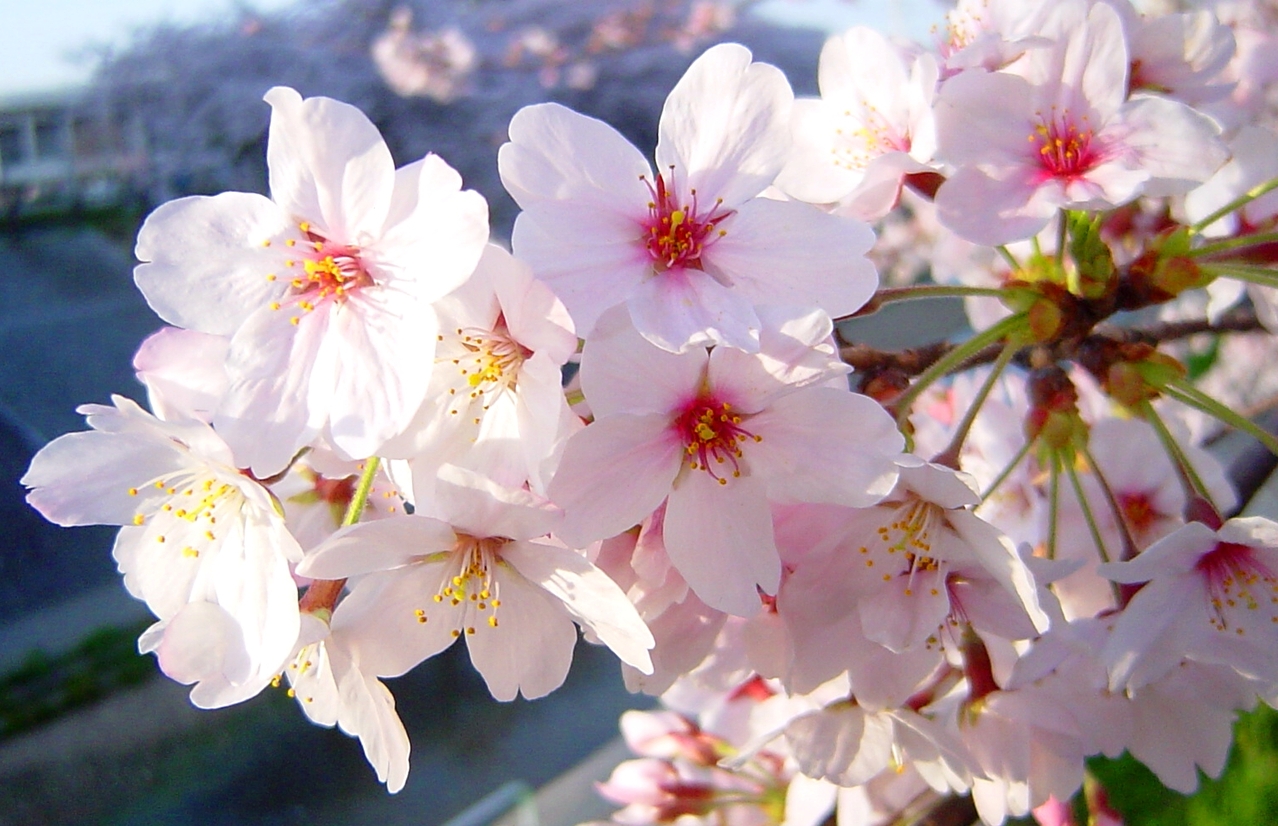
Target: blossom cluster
x: 952, y: 580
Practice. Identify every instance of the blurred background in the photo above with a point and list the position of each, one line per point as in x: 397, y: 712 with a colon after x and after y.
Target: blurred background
x: 109, y: 108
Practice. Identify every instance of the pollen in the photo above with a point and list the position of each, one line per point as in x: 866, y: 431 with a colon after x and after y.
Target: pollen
x: 676, y: 233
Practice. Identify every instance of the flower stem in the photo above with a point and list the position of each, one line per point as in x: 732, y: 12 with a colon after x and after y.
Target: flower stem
x: 1237, y: 203
x: 1088, y: 516
x: 1186, y: 393
x: 1234, y: 243
x: 1129, y: 542
x: 360, y: 497
x: 1264, y: 276
x: 949, y: 456
x: 1007, y: 471
x: 942, y: 366
x: 1189, y: 478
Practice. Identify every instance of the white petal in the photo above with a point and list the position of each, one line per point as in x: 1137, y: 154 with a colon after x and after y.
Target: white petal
x: 613, y: 474
x: 788, y: 252
x: 377, y: 546
x: 622, y: 372
x: 589, y: 595
x: 328, y: 164
x: 204, y: 264
x: 720, y: 539
x: 725, y: 126
x: 530, y: 650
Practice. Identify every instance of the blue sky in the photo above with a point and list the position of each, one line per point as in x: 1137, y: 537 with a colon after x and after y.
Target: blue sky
x: 47, y: 44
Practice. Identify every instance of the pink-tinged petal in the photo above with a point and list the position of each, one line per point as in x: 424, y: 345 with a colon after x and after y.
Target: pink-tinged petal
x: 686, y: 308
x: 795, y: 350
x: 377, y: 546
x: 380, y: 338
x: 719, y: 537
x: 204, y: 263
x: 808, y: 802
x: 788, y: 252
x: 842, y: 743
x: 432, y: 249
x: 282, y: 378
x: 481, y: 507
x: 823, y: 445
x: 203, y: 642
x: 530, y: 650
x: 810, y: 174
x: 904, y: 612
x: 997, y: 554
x: 989, y: 211
x: 328, y: 163
x: 613, y: 474
x: 184, y: 372
x: 1176, y: 553
x: 685, y: 634
x: 534, y: 315
x: 1133, y: 647
x: 382, y: 621
x: 85, y: 478
x: 622, y: 372
x: 984, y: 117
x: 1177, y: 146
x: 589, y: 267
x: 588, y: 594
x: 556, y: 154
x: 726, y: 126
x: 368, y: 712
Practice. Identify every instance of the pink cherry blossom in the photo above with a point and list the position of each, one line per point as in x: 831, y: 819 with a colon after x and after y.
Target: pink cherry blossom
x: 718, y: 436
x: 324, y: 289
x: 1055, y: 132
x: 690, y: 249
x: 490, y: 574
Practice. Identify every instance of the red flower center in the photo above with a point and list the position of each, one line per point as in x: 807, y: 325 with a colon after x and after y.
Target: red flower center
x: 676, y: 234
x: 712, y: 437
x: 1237, y: 581
x: 1064, y: 149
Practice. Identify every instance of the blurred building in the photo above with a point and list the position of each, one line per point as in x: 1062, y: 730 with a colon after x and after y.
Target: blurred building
x: 58, y: 150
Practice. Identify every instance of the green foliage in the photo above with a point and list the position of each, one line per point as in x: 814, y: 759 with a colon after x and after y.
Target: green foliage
x: 1245, y: 795
x: 44, y: 686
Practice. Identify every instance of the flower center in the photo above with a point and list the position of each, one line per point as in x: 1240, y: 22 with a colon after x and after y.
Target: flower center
x: 712, y: 437
x: 865, y: 136
x: 329, y: 271
x: 676, y: 234
x: 1238, y: 582
x: 472, y: 589
x: 902, y: 546
x: 187, y: 511
x: 1139, y: 511
x: 1064, y: 149
x: 486, y: 362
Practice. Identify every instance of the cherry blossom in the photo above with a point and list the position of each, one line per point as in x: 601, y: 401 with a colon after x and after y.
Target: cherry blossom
x: 324, y: 289
x: 490, y: 574
x: 690, y: 249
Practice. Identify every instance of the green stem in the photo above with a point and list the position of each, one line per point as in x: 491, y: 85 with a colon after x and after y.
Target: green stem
x: 1053, y: 506
x: 360, y: 498
x: 1007, y: 471
x: 1264, y: 276
x: 942, y: 366
x: 1129, y: 542
x: 951, y: 452
x: 1189, y: 478
x: 1008, y: 257
x: 1088, y: 516
x: 1186, y: 393
x: 1061, y: 228
x: 1237, y: 203
x: 1234, y: 243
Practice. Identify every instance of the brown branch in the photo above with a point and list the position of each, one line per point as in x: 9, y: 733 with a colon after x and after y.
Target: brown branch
x: 913, y: 361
